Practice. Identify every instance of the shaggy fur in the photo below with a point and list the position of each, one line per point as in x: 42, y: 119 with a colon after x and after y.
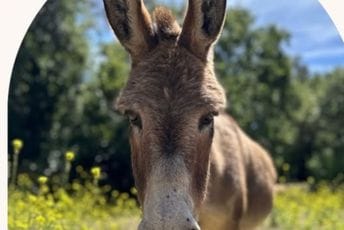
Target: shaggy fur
x: 186, y: 166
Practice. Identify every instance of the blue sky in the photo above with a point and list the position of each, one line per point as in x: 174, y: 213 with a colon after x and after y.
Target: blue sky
x: 314, y: 37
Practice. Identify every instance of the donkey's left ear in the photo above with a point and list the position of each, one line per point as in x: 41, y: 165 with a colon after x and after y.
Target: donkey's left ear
x: 202, y: 25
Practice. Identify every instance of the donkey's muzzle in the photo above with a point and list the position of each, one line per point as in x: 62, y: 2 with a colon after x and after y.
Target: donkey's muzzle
x: 171, y: 211
x: 188, y: 224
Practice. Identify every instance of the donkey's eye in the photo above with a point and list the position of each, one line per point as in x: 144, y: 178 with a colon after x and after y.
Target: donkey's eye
x: 206, y: 120
x: 135, y: 120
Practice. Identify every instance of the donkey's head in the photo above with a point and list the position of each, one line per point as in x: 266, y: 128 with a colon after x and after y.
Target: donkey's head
x: 170, y: 98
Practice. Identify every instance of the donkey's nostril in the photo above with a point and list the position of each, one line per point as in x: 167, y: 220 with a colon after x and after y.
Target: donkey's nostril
x: 196, y: 228
x: 192, y: 224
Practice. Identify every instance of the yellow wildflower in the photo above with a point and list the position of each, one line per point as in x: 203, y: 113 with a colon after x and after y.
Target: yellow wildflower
x: 42, y: 180
x: 40, y: 219
x: 79, y: 169
x: 310, y: 180
x: 115, y: 193
x: 76, y: 186
x: 32, y: 198
x: 285, y: 167
x: 133, y: 191
x: 282, y: 179
x: 17, y: 145
x: 69, y: 155
x: 124, y: 196
x: 22, y: 225
x: 96, y: 171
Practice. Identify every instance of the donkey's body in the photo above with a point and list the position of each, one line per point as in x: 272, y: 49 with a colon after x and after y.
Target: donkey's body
x: 242, y: 176
x: 189, y: 164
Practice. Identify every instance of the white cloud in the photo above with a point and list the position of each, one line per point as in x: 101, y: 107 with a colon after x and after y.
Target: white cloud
x: 331, y: 52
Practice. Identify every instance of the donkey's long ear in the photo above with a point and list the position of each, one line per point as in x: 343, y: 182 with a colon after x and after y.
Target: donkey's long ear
x: 132, y: 25
x: 202, y: 25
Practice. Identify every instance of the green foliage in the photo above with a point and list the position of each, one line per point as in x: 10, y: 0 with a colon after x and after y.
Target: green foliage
x: 113, y: 71
x: 277, y: 102
x: 48, y: 70
x: 256, y: 73
x: 328, y: 158
x: 93, y: 129
x: 55, y: 105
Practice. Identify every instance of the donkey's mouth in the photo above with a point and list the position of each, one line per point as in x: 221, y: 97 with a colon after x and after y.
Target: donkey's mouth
x: 171, y: 218
x: 188, y: 224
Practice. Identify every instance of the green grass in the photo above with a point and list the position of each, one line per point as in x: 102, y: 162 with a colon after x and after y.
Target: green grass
x: 87, y: 207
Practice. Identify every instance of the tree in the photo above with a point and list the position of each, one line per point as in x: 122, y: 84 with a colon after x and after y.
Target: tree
x: 92, y: 128
x: 256, y: 73
x: 327, y: 159
x: 52, y: 58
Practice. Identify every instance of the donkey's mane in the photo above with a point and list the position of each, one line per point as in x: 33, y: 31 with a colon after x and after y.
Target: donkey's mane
x: 165, y: 24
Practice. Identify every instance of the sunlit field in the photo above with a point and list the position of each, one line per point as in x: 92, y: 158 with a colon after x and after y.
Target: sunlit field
x: 92, y: 207
x: 48, y: 203
x: 82, y: 207
x: 296, y: 207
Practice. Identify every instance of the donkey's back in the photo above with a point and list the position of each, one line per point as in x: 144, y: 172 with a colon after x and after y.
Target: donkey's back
x: 241, y: 183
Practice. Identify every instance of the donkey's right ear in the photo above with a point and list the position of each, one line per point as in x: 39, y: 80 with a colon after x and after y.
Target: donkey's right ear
x: 202, y: 25
x: 132, y: 25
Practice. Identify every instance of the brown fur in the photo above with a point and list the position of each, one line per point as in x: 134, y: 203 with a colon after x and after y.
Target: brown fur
x: 213, y: 171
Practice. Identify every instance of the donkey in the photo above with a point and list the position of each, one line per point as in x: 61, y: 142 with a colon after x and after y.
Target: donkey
x: 192, y: 164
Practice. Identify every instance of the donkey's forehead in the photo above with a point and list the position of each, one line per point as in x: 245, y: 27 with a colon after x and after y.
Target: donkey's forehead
x: 170, y: 76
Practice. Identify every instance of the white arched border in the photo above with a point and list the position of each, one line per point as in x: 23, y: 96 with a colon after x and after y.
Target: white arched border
x: 16, y: 17
x: 334, y: 9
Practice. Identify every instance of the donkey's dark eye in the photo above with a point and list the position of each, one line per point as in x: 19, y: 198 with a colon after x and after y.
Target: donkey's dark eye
x: 206, y: 120
x: 135, y: 120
